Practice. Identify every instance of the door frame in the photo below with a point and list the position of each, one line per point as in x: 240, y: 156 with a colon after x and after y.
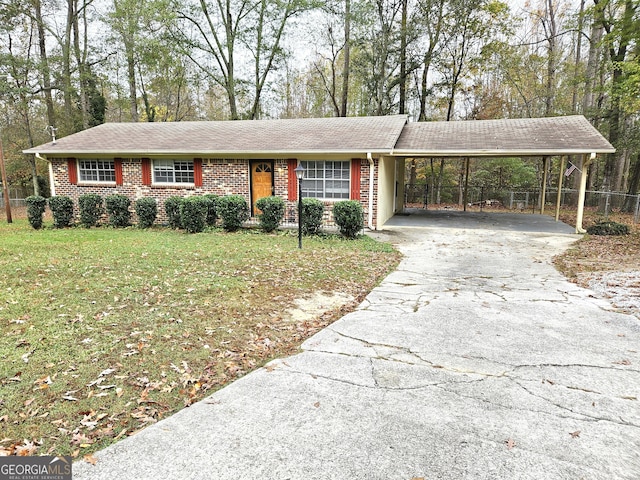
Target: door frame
x: 252, y: 163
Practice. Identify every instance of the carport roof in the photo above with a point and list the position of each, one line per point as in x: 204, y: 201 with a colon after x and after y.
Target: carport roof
x: 519, y: 137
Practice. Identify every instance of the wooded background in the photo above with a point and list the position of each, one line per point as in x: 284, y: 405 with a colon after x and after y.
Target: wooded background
x: 73, y: 64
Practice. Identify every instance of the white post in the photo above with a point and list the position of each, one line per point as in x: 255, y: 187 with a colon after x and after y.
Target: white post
x: 582, y: 191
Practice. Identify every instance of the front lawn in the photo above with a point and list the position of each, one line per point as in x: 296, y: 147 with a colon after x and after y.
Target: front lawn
x: 105, y: 331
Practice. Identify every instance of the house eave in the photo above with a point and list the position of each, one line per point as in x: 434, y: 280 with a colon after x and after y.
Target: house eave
x: 205, y: 154
x: 498, y: 153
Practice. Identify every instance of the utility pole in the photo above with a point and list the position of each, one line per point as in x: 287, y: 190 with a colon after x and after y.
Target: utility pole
x: 5, y: 184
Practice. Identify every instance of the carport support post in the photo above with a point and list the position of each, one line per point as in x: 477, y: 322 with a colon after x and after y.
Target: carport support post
x: 582, y: 192
x: 559, y: 196
x: 543, y: 193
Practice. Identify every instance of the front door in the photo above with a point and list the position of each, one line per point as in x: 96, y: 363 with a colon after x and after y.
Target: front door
x: 261, y: 182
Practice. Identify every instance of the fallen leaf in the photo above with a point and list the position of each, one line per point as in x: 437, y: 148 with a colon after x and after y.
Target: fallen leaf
x: 90, y: 459
x: 317, y: 404
x: 623, y: 362
x: 29, y: 402
x: 575, y: 434
x: 510, y: 444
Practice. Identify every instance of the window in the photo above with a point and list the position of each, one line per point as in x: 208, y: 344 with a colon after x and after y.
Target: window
x: 173, y: 171
x: 324, y: 179
x: 97, y: 170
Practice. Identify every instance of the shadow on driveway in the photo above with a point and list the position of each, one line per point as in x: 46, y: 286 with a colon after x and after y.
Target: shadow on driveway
x: 518, y: 222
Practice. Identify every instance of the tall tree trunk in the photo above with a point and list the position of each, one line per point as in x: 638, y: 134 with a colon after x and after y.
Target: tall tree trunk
x: 574, y: 93
x: 347, y: 59
x: 403, y: 59
x: 44, y: 64
x: 552, y: 32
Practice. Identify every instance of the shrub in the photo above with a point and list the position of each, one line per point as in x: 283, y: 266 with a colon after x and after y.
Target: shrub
x: 193, y: 214
x: 172, y: 209
x: 312, y: 210
x: 117, y: 207
x: 233, y: 210
x: 62, y: 210
x: 608, y: 228
x: 212, y: 216
x: 272, y: 212
x: 147, y: 211
x: 35, y: 210
x: 91, y: 209
x: 348, y: 215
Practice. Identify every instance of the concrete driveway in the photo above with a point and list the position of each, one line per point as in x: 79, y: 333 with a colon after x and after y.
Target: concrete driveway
x: 474, y: 360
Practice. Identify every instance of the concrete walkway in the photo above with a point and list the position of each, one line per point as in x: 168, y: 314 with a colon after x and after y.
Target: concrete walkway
x: 474, y: 360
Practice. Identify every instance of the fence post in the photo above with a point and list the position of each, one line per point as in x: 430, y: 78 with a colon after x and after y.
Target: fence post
x: 637, y: 214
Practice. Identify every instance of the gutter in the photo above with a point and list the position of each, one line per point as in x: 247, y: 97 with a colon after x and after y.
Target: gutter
x: 52, y: 183
x: 372, y: 169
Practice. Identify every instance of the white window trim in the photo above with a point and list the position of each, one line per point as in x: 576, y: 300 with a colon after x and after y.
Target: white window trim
x: 81, y: 181
x: 171, y: 184
x: 330, y: 199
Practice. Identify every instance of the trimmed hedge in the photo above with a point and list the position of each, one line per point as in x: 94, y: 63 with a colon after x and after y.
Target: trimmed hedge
x: 272, y: 213
x: 608, y: 228
x: 212, y: 216
x: 117, y: 207
x: 147, y: 211
x: 62, y: 209
x: 348, y: 215
x: 312, y: 211
x: 233, y: 210
x: 193, y: 214
x: 172, y: 209
x: 35, y: 210
x: 91, y: 209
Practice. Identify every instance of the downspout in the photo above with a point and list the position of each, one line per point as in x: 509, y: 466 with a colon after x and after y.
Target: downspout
x: 372, y: 169
x: 52, y: 185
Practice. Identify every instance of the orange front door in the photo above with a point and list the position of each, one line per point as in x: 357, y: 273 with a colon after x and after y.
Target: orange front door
x: 261, y: 182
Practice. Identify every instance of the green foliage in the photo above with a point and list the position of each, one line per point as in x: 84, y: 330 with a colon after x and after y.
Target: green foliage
x: 233, y: 210
x: 272, y: 212
x: 312, y: 211
x: 117, y: 207
x: 504, y: 172
x: 193, y: 214
x: 91, y: 209
x: 62, y: 209
x: 147, y: 211
x: 608, y: 228
x: 172, y: 209
x: 212, y: 216
x: 349, y: 217
x: 35, y: 210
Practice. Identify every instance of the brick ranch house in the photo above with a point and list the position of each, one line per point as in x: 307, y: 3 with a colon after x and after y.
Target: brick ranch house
x: 357, y: 158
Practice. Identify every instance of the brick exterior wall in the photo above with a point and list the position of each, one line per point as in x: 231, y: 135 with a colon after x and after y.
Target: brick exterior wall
x: 219, y: 177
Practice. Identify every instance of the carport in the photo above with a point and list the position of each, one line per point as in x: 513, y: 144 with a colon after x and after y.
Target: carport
x: 523, y: 137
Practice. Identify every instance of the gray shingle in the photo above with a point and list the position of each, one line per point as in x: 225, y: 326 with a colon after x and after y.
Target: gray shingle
x: 351, y: 134
x: 524, y: 136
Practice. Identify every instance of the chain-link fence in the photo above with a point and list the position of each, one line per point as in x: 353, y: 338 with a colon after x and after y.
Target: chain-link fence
x: 16, y: 197
x: 479, y: 197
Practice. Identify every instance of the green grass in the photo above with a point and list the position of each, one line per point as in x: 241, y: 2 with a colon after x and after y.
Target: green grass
x: 105, y: 331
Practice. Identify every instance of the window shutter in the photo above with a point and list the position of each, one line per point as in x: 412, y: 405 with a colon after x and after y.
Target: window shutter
x: 355, y: 178
x: 292, y: 163
x: 73, y: 171
x: 117, y: 166
x: 146, y: 171
x: 197, y: 172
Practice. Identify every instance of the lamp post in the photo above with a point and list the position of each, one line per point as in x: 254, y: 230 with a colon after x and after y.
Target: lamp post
x: 300, y: 175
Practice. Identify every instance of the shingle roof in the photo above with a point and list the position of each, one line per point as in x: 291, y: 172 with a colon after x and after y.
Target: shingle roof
x: 351, y: 135
x: 516, y: 137
x: 312, y: 135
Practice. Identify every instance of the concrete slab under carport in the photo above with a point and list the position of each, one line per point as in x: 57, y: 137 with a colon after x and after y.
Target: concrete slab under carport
x: 517, y: 222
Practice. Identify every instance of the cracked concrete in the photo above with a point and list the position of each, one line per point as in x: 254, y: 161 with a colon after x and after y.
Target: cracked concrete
x: 474, y: 359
